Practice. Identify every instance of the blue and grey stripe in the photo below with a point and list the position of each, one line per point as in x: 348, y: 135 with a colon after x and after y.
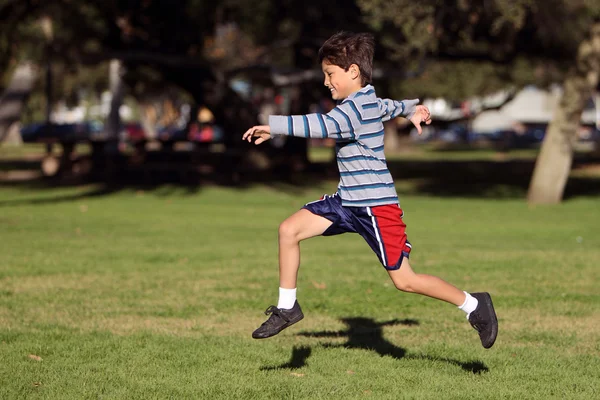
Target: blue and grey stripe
x: 357, y: 126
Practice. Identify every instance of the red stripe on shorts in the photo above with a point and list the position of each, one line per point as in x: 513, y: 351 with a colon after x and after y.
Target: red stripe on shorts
x: 392, y: 231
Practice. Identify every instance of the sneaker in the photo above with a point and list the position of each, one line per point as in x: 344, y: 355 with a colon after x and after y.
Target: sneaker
x: 279, y: 320
x: 484, y: 320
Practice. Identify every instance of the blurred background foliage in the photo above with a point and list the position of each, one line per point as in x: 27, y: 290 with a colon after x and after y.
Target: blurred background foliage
x: 190, y: 51
x: 440, y: 48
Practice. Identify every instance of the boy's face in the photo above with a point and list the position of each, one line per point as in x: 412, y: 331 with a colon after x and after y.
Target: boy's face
x: 341, y: 83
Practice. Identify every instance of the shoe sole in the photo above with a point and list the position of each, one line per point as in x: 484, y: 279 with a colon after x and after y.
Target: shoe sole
x: 290, y: 323
x: 490, y: 307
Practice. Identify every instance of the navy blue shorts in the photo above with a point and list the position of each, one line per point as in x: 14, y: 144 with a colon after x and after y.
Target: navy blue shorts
x: 381, y: 226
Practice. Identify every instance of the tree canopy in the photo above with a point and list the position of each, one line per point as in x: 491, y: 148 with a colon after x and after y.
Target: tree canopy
x: 478, y: 46
x: 452, y: 48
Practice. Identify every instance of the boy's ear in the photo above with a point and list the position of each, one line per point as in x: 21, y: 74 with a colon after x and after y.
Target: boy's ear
x: 354, y: 71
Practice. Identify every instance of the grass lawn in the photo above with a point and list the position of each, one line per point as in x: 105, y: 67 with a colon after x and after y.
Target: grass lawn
x: 35, y: 150
x: 143, y: 295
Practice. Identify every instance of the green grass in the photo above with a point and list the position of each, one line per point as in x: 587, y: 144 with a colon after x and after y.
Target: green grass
x: 143, y: 295
x: 35, y: 150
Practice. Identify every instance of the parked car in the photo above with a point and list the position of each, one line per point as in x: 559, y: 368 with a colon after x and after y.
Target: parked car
x: 83, y: 131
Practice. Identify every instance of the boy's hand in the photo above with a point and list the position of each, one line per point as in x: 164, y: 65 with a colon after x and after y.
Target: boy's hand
x: 261, y: 132
x: 422, y: 114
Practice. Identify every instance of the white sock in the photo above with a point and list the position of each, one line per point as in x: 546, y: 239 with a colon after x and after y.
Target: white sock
x: 469, y: 305
x: 287, y: 298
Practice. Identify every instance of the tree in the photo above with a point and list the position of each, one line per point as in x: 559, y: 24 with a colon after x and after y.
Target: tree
x: 154, y: 38
x: 476, y: 47
x: 15, y: 95
x: 193, y: 44
x: 554, y: 161
x: 453, y: 48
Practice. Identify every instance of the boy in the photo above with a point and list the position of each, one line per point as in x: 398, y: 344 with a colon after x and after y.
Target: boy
x: 366, y: 201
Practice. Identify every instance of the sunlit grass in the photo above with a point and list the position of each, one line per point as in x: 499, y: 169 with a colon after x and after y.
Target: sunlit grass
x: 155, y: 294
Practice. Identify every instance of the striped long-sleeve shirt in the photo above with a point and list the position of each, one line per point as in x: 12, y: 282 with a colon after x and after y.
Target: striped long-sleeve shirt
x: 357, y: 125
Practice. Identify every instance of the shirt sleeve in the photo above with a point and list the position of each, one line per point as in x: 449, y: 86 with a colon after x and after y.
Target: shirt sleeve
x: 391, y: 109
x: 339, y: 123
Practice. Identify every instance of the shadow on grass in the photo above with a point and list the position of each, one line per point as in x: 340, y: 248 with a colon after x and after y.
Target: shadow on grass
x: 492, y: 179
x: 484, y: 178
x: 92, y: 192
x: 87, y: 190
x: 367, y: 334
x: 298, y: 360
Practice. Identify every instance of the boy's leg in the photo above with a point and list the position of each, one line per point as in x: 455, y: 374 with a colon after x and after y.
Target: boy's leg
x: 479, y: 307
x: 300, y: 226
x: 385, y: 232
x: 407, y: 280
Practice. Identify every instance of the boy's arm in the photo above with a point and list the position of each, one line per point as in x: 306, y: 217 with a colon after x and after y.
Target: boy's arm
x: 390, y: 109
x: 339, y: 123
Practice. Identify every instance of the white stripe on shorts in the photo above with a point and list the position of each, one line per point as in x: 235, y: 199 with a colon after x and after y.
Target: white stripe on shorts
x: 377, y: 235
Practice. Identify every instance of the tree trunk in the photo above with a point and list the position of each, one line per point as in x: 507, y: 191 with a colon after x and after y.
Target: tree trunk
x: 14, y: 97
x: 113, y: 122
x: 597, y: 123
x: 554, y: 161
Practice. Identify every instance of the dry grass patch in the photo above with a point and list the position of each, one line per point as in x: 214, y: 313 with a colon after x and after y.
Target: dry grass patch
x: 570, y: 334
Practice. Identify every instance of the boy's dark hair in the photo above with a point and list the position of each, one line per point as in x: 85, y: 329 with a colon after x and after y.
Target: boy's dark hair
x: 346, y: 48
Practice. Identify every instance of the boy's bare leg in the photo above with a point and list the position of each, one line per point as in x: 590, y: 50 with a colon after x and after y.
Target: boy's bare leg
x: 299, y: 226
x: 407, y: 280
x: 478, y: 306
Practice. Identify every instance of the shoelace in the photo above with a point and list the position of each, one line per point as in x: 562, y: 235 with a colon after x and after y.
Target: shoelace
x: 275, y: 311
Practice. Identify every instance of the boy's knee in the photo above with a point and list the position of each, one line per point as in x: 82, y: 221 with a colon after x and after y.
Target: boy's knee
x: 405, y: 282
x: 287, y: 230
x: 404, y: 286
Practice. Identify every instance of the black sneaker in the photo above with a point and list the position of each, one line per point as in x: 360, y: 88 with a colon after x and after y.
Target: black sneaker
x: 484, y: 320
x: 278, y: 321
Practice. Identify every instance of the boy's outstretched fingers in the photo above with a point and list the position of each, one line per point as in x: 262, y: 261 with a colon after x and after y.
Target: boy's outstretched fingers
x: 248, y: 135
x: 261, y: 132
